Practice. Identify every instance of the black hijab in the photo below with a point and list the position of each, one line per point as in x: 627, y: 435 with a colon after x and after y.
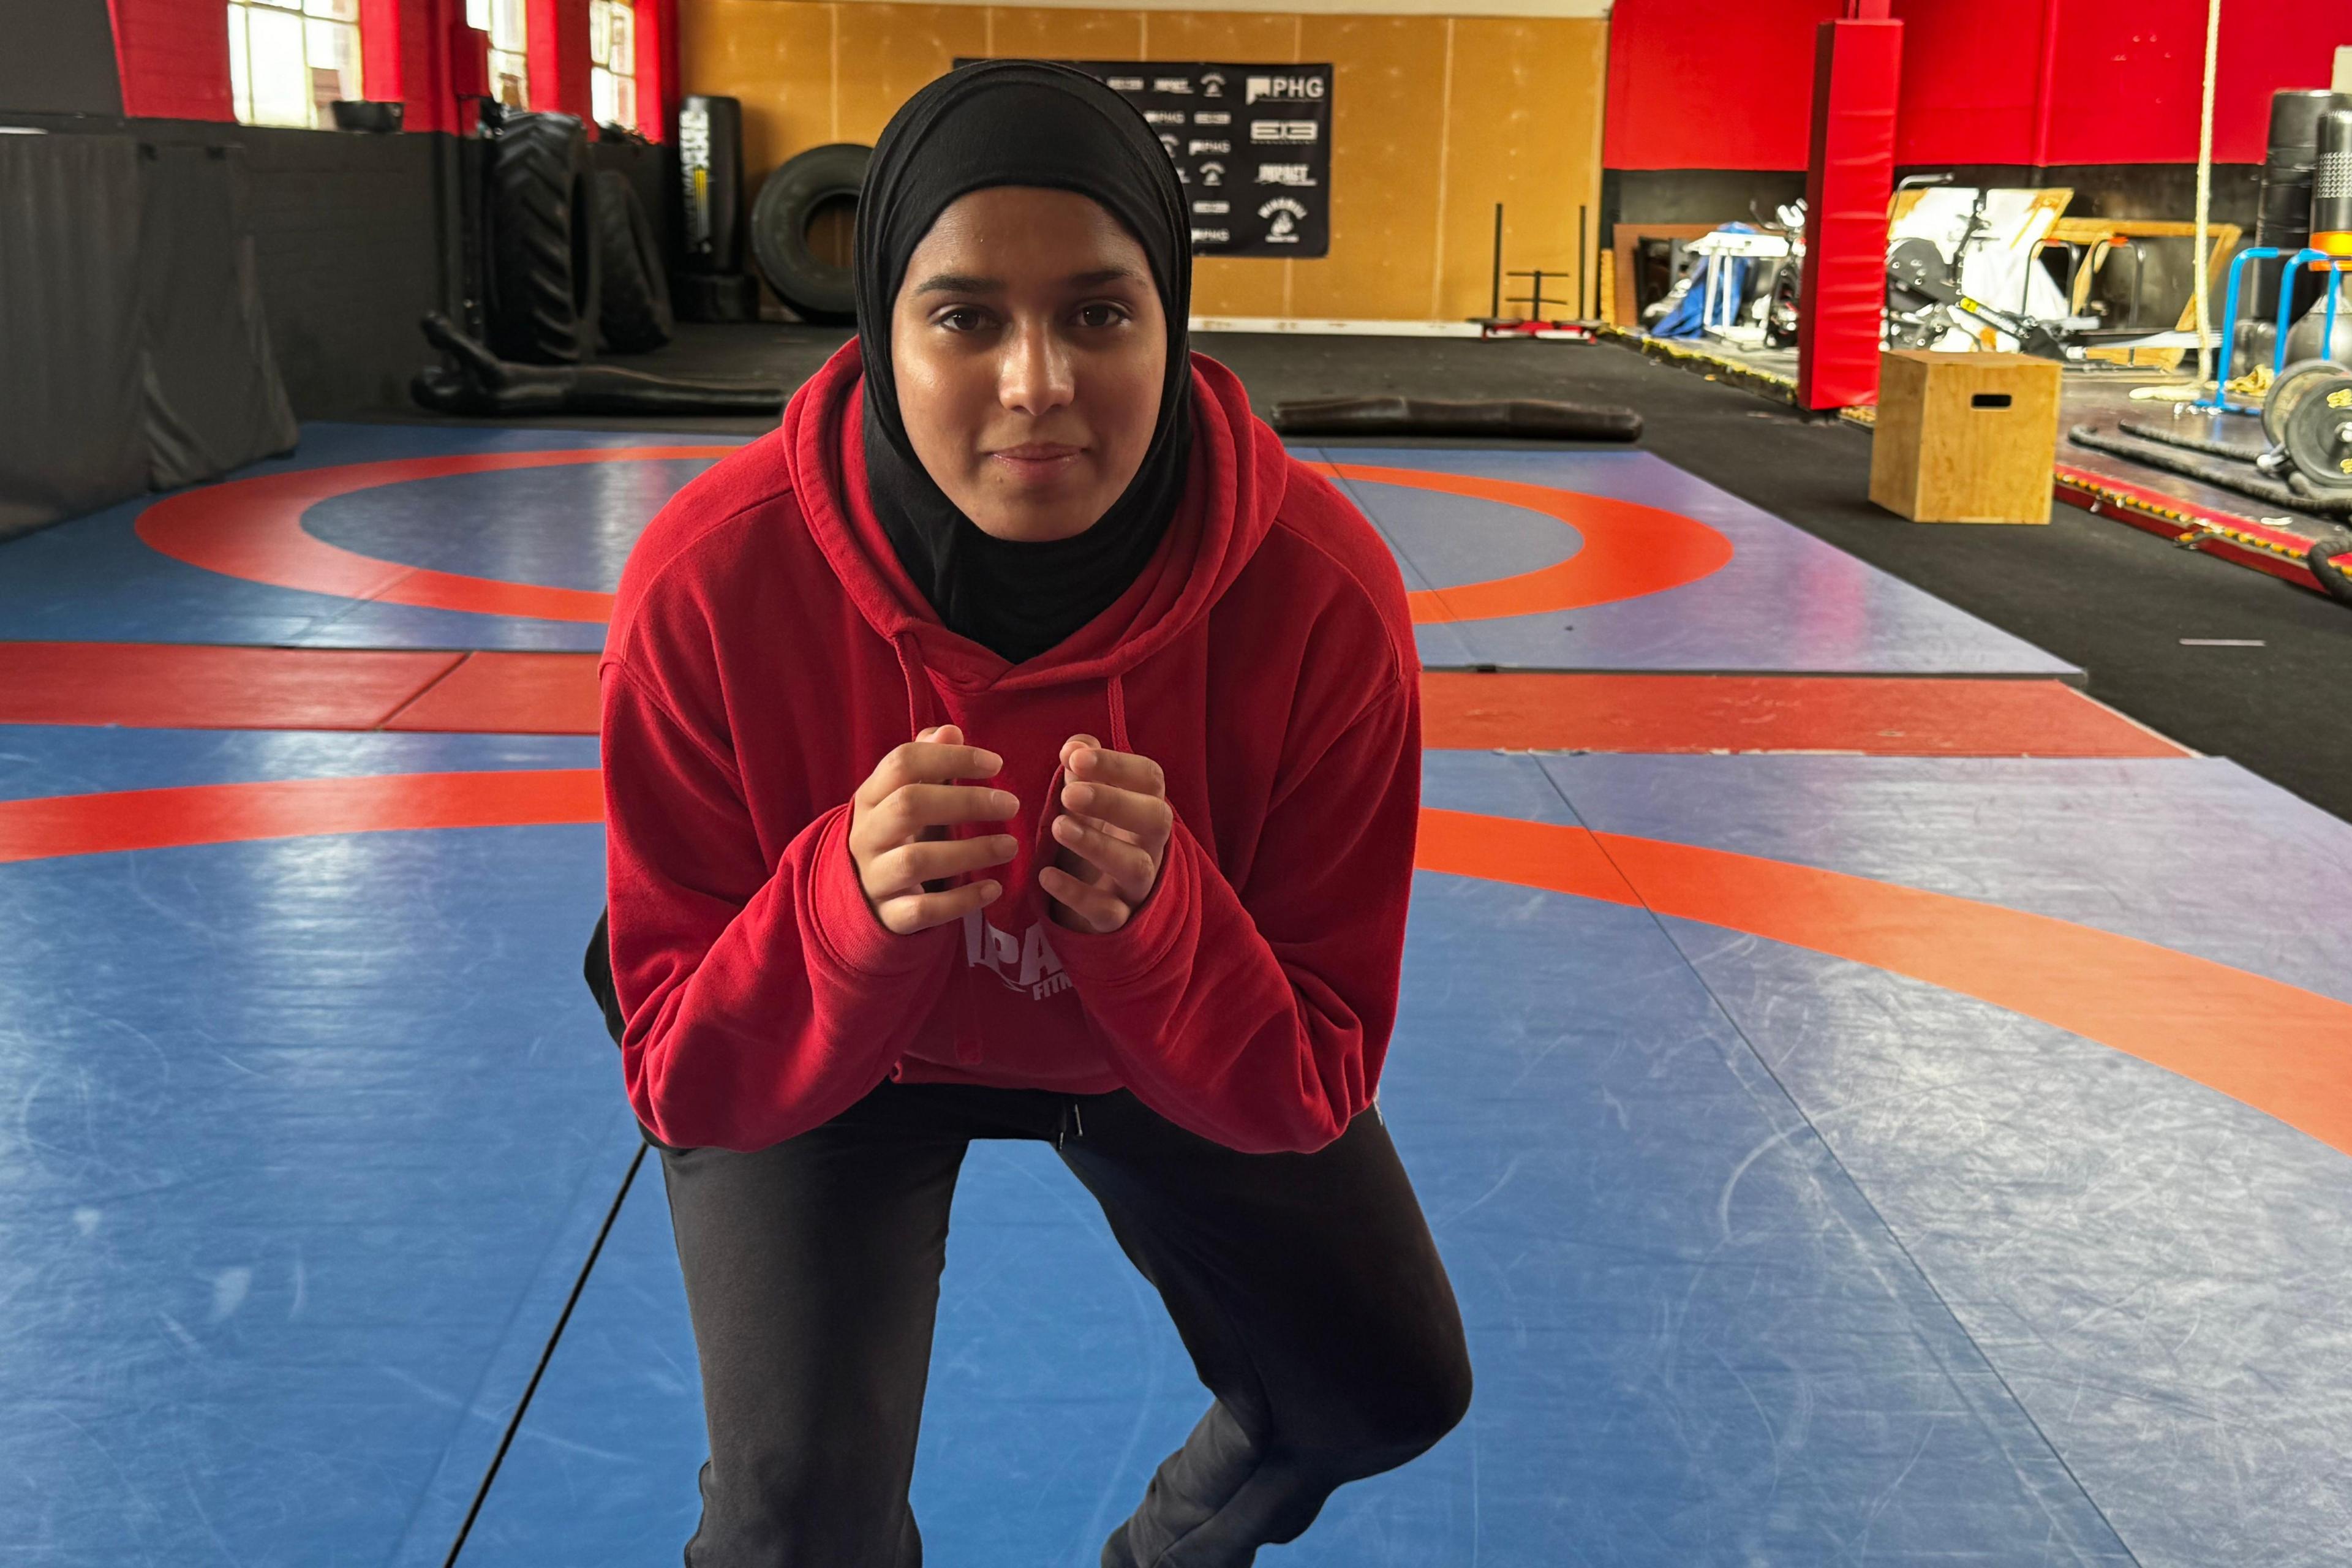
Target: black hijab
x: 1018, y: 123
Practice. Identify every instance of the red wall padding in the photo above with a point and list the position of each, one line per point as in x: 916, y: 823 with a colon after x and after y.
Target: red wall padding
x: 173, y: 56
x: 1858, y: 68
x: 2036, y: 82
x: 1710, y: 86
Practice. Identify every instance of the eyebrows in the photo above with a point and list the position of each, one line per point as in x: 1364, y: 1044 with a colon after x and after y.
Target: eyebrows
x: 967, y: 283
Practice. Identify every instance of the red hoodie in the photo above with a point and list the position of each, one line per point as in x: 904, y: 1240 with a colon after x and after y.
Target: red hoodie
x: 767, y: 649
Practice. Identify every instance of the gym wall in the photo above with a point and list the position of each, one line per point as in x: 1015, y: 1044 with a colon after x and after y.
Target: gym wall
x: 1435, y: 118
x: 2101, y: 95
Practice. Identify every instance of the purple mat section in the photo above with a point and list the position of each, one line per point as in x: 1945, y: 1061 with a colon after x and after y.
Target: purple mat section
x: 1786, y: 603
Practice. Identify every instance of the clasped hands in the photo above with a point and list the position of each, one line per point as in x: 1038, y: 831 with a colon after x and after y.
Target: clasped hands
x: 1110, y: 834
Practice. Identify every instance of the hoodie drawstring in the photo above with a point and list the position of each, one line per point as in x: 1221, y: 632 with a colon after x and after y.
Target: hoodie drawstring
x: 1119, y: 716
x: 919, y: 695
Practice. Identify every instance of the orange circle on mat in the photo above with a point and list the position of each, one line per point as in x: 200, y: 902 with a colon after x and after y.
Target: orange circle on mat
x: 252, y: 528
x: 1630, y: 549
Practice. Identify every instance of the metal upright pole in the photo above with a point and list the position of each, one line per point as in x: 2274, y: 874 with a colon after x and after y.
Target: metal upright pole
x: 1494, y: 301
x: 1580, y: 263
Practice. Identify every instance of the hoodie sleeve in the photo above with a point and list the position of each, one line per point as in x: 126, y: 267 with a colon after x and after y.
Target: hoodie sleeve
x: 1259, y: 1017
x: 759, y: 1001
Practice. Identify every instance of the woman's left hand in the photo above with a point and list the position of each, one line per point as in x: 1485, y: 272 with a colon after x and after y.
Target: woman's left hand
x: 1112, y: 834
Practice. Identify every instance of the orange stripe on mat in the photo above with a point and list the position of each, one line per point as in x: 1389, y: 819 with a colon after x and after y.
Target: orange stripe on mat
x: 1890, y: 716
x: 196, y: 687
x: 2279, y: 1048
x: 52, y: 825
x: 509, y: 694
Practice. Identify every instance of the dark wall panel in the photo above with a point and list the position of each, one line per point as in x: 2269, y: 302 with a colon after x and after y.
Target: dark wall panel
x: 58, y: 57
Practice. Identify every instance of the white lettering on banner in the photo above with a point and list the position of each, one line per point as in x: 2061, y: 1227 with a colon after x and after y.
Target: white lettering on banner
x: 1125, y: 84
x: 1026, y: 963
x: 1213, y: 85
x: 1212, y: 236
x: 1213, y: 117
x: 1284, y: 89
x: 1197, y: 148
x: 1175, y: 84
x: 1163, y: 117
x: 1283, y: 130
x: 1212, y: 174
x: 1213, y: 207
x: 1287, y: 216
x: 1173, y: 146
x: 1284, y: 175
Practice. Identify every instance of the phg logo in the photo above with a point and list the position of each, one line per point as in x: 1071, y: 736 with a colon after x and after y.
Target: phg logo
x: 1284, y: 89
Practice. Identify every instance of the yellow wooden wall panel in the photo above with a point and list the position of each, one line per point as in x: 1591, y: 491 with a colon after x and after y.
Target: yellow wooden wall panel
x: 1435, y: 119
x: 890, y: 51
x: 1035, y: 32
x: 1387, y: 116
x: 777, y: 59
x: 1526, y: 132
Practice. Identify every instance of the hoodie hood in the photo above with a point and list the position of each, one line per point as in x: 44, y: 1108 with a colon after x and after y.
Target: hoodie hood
x: 1234, y: 486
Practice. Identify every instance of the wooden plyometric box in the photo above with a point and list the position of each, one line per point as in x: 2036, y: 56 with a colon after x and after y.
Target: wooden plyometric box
x: 1965, y: 437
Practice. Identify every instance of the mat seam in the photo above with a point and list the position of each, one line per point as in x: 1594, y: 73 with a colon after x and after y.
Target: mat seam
x: 414, y: 697
x: 1830, y: 1151
x: 546, y: 1355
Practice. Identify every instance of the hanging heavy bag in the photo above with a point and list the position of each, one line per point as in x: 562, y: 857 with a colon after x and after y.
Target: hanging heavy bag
x: 541, y: 217
x: 636, y: 310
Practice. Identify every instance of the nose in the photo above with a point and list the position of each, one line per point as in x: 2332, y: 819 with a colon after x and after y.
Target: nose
x: 1036, y: 375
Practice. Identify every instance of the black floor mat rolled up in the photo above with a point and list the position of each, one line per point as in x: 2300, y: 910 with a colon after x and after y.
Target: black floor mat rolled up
x: 1532, y: 417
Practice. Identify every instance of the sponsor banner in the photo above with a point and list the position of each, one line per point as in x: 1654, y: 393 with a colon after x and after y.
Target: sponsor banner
x: 1251, y: 144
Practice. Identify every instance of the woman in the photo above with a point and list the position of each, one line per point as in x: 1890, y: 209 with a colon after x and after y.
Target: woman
x: 1018, y: 745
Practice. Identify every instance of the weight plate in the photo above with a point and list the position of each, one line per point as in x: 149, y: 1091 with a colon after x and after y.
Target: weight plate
x: 2320, y: 434
x: 2278, y: 404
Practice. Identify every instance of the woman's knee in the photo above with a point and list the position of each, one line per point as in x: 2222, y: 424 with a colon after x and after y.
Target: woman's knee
x: 1405, y: 1410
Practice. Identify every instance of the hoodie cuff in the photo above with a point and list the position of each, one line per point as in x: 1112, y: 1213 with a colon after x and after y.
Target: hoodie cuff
x: 1121, y: 957
x: 852, y: 937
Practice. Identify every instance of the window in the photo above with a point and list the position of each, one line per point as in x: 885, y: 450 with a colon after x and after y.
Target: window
x: 509, y: 73
x: 288, y: 59
x: 613, y: 62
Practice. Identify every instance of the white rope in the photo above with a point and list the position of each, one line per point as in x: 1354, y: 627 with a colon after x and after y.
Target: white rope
x: 2200, y: 261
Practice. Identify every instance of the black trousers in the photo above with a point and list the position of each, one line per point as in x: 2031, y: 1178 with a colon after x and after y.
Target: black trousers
x: 1305, y: 1287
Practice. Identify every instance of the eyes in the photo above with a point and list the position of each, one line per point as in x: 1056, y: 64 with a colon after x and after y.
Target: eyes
x: 1094, y: 316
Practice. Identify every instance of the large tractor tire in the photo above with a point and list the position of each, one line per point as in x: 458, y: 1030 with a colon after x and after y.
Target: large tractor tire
x: 544, y: 271
x: 636, y: 315
x: 801, y: 227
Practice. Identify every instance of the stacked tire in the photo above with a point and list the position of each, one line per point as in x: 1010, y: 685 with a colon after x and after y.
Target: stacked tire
x: 544, y: 259
x: 574, y: 261
x: 636, y: 315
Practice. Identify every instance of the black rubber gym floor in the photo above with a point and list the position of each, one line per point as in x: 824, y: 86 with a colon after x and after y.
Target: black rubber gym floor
x: 2103, y: 595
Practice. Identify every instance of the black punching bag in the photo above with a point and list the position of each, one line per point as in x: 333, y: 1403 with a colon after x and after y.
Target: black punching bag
x: 2331, y: 231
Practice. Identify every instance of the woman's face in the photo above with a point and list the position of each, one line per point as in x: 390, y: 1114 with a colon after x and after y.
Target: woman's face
x: 1029, y: 347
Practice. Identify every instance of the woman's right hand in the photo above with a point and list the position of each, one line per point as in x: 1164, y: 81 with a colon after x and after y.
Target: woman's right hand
x: 898, y: 826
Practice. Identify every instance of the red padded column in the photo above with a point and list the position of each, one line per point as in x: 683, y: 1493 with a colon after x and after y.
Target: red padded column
x: 1858, y: 69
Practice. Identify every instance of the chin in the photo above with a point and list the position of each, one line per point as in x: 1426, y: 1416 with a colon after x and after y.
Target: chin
x: 1035, y: 519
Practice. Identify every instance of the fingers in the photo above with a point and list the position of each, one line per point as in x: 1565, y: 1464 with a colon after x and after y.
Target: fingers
x: 1146, y: 816
x: 1130, y: 867
x: 907, y: 811
x: 931, y: 859
x: 910, y: 912
x: 1081, y: 758
x: 1094, y: 908
x: 935, y: 761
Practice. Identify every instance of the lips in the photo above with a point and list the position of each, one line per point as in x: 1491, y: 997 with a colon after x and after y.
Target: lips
x: 1037, y: 461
